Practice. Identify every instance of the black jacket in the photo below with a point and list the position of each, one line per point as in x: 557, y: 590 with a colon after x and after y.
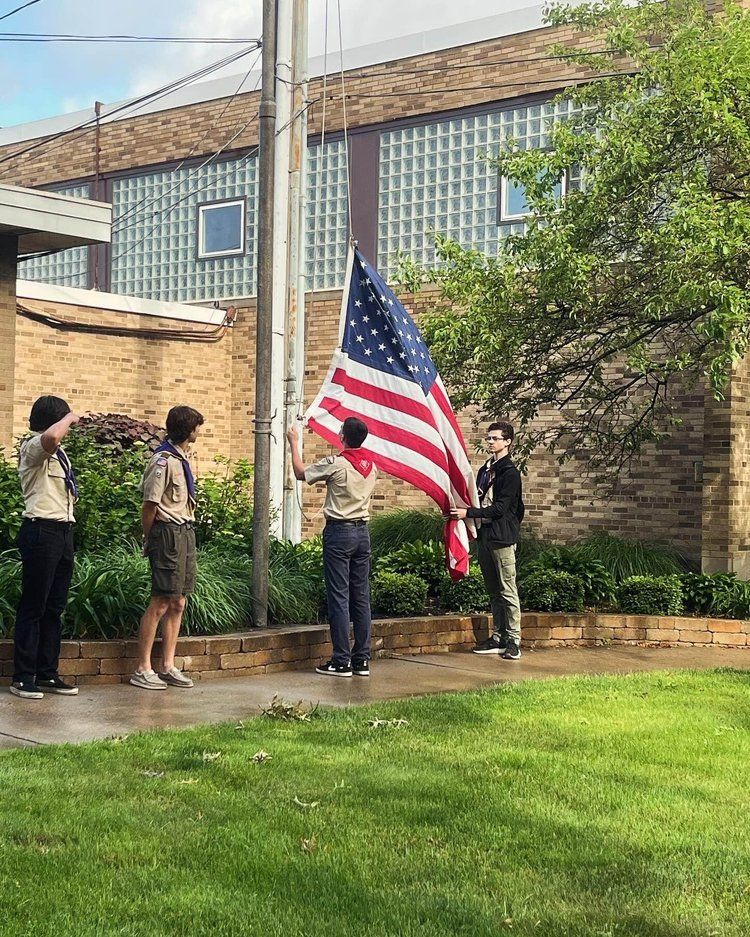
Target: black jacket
x: 503, y: 516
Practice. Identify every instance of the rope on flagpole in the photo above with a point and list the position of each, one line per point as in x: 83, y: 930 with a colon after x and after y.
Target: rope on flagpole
x: 316, y: 216
x: 346, y: 127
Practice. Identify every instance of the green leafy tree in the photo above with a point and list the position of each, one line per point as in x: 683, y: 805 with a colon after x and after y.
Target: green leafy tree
x: 636, y: 283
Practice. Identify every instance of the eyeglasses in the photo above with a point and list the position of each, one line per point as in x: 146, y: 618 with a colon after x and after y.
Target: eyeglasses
x: 495, y: 438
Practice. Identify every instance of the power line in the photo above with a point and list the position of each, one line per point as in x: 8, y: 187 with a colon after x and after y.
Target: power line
x: 89, y: 124
x: 18, y: 9
x: 70, y: 37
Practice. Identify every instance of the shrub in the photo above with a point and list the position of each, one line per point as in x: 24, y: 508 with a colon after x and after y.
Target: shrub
x: 391, y: 530
x: 224, y: 509
x: 11, y: 502
x: 467, y: 595
x: 119, y: 431
x: 426, y: 560
x: 705, y: 594
x: 651, y: 595
x: 550, y: 590
x: 398, y: 594
x: 625, y: 557
x: 598, y: 584
x: 529, y: 546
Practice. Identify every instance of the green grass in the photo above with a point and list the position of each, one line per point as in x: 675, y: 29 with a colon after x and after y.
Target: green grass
x: 586, y: 806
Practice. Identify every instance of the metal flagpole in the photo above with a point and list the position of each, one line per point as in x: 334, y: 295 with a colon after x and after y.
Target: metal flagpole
x: 295, y: 330
x: 264, y: 320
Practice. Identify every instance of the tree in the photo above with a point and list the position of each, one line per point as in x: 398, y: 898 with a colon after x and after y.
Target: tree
x: 635, y: 284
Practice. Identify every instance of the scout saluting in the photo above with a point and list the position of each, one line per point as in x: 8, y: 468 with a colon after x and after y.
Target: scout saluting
x: 46, y: 546
x: 168, y: 516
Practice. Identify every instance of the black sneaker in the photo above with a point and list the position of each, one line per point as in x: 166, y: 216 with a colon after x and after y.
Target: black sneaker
x: 334, y: 670
x: 56, y: 685
x: 361, y: 668
x: 493, y: 645
x: 26, y: 690
x: 512, y: 652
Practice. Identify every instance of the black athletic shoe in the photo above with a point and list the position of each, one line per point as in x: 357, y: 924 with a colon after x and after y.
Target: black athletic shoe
x: 361, y: 668
x: 334, y: 670
x: 56, y: 685
x: 26, y: 690
x: 493, y: 645
x: 512, y: 652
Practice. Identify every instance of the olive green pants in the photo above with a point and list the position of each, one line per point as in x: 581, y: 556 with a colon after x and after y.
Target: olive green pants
x: 498, y: 565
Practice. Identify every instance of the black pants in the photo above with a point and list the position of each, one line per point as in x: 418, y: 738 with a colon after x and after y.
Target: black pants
x: 47, y: 556
x: 346, y: 563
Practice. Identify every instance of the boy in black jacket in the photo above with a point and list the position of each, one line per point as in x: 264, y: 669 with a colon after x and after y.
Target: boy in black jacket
x: 499, y: 519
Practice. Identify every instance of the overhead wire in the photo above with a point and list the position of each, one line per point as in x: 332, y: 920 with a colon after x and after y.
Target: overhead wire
x: 123, y: 38
x: 18, y: 9
x: 90, y: 123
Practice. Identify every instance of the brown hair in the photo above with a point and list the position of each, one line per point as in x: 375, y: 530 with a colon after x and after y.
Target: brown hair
x: 181, y: 421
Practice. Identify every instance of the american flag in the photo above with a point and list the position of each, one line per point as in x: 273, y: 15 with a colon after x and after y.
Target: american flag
x: 383, y: 373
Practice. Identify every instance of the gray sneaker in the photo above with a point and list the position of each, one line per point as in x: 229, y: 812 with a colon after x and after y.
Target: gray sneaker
x: 147, y: 680
x: 175, y: 677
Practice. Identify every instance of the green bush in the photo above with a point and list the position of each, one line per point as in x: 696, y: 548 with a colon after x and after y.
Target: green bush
x: 550, y: 590
x: 705, y: 594
x: 598, y: 584
x: 467, y: 595
x: 109, y: 467
x: 624, y: 557
x: 398, y: 594
x: 426, y: 560
x: 651, y: 595
x: 391, y: 530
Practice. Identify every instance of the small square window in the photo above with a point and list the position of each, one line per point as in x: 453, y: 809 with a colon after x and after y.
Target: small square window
x: 221, y: 229
x: 513, y: 204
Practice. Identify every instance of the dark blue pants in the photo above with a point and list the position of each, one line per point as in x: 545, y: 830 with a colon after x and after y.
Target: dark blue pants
x: 346, y: 564
x: 47, y: 557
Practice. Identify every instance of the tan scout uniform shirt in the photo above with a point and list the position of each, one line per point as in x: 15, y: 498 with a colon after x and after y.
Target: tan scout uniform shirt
x: 347, y: 491
x: 43, y: 482
x: 164, y: 482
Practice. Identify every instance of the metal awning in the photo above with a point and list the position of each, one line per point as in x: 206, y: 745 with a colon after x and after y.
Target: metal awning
x: 45, y: 221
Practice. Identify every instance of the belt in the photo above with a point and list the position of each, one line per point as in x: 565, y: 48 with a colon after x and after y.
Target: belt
x: 45, y: 521
x: 359, y: 522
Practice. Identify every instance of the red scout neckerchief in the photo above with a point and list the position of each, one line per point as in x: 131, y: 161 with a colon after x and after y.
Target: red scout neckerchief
x: 354, y: 457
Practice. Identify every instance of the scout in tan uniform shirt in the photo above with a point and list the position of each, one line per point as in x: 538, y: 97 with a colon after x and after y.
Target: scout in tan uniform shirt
x: 46, y: 545
x: 350, y: 479
x: 168, y: 516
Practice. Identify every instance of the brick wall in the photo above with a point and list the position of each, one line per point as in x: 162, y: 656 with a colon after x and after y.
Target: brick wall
x: 660, y: 499
x: 137, y: 376
x: 495, y: 70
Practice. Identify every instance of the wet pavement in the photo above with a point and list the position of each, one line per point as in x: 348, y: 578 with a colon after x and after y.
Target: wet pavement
x: 102, y: 711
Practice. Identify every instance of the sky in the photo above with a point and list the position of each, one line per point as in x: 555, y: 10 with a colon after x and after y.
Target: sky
x: 39, y: 80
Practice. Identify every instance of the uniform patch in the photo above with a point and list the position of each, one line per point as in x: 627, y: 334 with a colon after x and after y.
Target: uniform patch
x: 161, y: 462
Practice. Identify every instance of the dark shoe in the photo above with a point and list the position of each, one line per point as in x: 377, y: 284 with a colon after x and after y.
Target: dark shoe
x: 334, y: 670
x: 56, y: 685
x: 493, y: 645
x: 26, y: 690
x: 513, y: 651
x: 361, y: 668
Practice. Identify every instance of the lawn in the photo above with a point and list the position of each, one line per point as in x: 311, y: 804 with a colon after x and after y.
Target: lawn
x: 587, y: 806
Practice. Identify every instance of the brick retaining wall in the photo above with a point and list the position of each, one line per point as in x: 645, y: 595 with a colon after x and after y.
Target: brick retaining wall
x: 302, y: 646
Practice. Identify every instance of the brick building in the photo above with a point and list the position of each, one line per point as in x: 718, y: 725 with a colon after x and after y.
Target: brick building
x: 421, y: 111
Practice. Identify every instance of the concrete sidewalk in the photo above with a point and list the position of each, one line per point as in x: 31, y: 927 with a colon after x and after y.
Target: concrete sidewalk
x: 102, y: 711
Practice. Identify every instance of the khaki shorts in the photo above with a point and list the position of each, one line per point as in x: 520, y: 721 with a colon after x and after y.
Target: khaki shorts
x: 170, y: 549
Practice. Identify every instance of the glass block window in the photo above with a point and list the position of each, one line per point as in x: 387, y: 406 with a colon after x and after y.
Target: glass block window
x: 155, y: 233
x: 433, y: 178
x: 327, y: 217
x: 66, y: 268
